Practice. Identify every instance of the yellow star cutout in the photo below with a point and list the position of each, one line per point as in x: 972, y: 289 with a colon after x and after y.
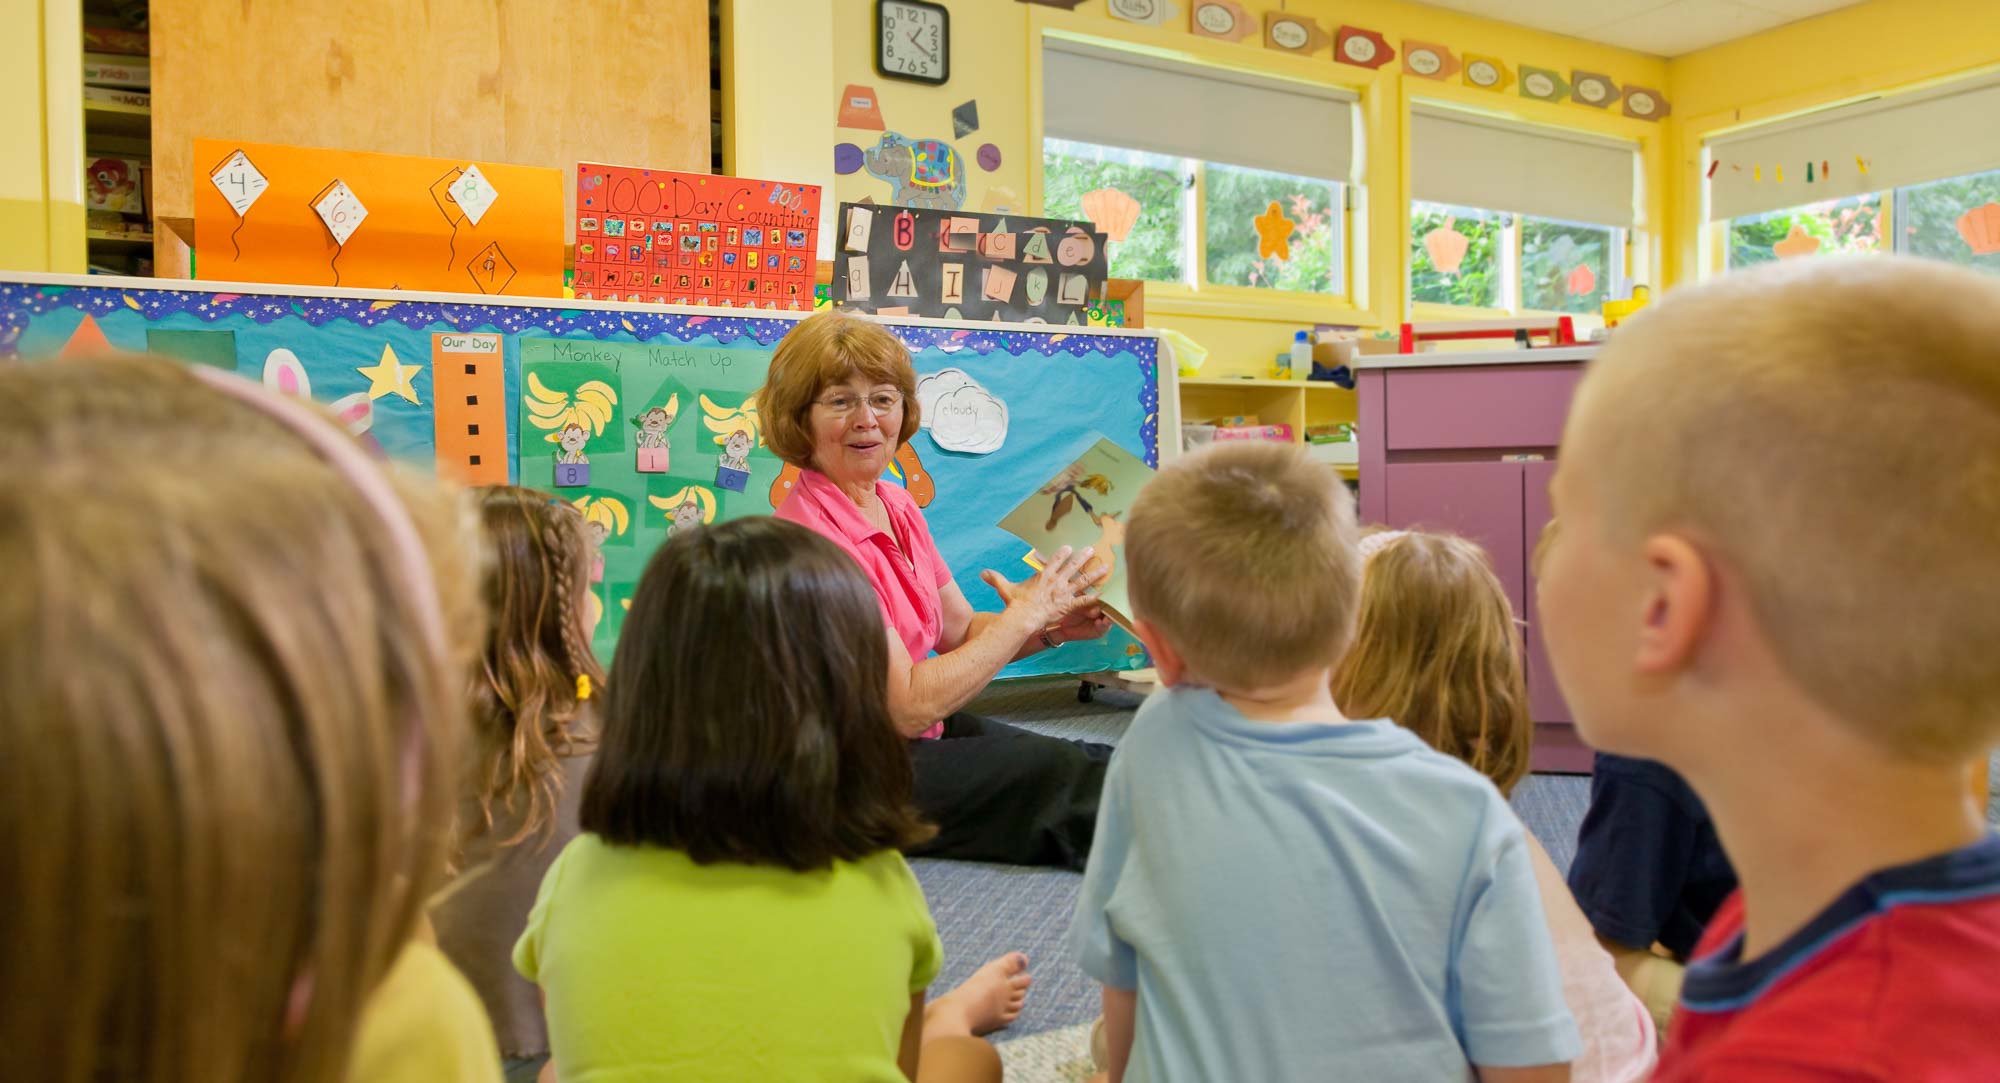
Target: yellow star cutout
x: 389, y: 375
x: 1274, y: 233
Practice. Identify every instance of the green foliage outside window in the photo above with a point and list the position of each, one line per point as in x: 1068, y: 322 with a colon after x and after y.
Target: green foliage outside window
x: 1236, y: 196
x: 1551, y: 252
x: 1927, y: 217
x: 1156, y: 249
x: 1476, y: 283
x: 1853, y: 224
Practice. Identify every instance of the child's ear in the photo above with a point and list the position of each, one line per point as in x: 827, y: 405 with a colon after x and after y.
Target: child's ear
x: 1679, y: 604
x: 1166, y: 660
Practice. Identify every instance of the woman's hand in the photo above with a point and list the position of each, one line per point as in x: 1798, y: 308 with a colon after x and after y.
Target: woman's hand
x: 1065, y: 585
x: 1086, y: 622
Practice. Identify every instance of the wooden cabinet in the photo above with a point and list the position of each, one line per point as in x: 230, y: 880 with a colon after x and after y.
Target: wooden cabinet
x: 1467, y: 443
x: 531, y: 82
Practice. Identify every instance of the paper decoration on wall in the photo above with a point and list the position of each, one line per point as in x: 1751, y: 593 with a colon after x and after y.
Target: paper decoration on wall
x: 1224, y: 19
x: 1645, y: 103
x: 216, y: 349
x: 1290, y: 33
x: 1362, y: 48
x: 960, y: 414
x: 469, y: 395
x: 920, y: 172
x: 1487, y: 72
x: 689, y: 238
x: 859, y: 108
x: 652, y: 452
x: 286, y: 374
x: 1980, y: 227
x: 846, y: 159
x: 572, y: 420
x: 86, y: 341
x: 389, y: 376
x: 241, y: 184
x: 967, y: 118
x: 1274, y: 233
x: 1446, y: 247
x: 1545, y: 85
x: 391, y: 221
x: 1143, y: 12
x: 981, y: 266
x: 1113, y: 212
x: 1796, y: 243
x: 1592, y: 89
x: 687, y: 507
x: 989, y: 157
x: 1430, y: 60
x: 1581, y: 280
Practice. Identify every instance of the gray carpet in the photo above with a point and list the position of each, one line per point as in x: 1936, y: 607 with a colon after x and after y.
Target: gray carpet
x: 986, y: 910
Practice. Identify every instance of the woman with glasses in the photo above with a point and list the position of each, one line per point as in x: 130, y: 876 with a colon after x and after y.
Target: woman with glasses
x: 840, y: 398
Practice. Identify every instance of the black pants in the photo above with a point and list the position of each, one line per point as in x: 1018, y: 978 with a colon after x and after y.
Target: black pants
x: 1001, y: 793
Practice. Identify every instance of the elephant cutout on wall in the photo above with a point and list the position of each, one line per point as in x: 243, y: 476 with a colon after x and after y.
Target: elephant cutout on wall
x: 927, y: 173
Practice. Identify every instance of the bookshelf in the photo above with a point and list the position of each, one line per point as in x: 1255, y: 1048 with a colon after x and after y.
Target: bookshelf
x: 1297, y: 403
x: 117, y: 136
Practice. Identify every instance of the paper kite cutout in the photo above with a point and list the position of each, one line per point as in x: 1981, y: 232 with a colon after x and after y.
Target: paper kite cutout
x: 390, y: 376
x: 965, y: 119
x: 1274, y: 233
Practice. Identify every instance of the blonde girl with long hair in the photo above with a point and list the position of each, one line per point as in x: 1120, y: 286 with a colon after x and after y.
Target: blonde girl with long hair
x: 232, y: 714
x: 1437, y: 649
x: 532, y: 691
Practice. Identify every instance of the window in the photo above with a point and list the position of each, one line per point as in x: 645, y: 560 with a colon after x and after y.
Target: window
x: 1781, y: 189
x: 1516, y: 263
x: 1516, y: 218
x: 1853, y: 224
x: 1156, y: 249
x: 1179, y: 144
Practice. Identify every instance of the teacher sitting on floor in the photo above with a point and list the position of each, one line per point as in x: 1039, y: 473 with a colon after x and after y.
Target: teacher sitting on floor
x: 840, y: 398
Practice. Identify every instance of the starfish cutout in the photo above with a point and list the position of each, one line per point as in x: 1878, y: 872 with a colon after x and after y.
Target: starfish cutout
x: 1274, y: 233
x: 389, y: 375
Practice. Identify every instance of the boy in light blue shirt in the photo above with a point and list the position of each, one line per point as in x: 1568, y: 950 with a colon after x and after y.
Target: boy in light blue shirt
x: 1276, y: 893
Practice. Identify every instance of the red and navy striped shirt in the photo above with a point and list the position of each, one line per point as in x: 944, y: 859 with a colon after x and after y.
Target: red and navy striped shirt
x: 1898, y: 980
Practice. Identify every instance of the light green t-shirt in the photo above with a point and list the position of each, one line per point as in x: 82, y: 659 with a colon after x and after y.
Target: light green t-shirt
x: 658, y: 968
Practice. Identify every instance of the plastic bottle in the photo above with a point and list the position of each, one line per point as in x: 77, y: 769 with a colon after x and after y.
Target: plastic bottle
x: 1302, y: 355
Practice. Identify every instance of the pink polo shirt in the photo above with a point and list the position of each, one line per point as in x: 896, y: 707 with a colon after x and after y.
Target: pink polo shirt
x: 907, y: 579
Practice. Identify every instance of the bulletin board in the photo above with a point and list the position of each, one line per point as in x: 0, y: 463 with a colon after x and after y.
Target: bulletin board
x: 955, y: 265
x: 465, y: 384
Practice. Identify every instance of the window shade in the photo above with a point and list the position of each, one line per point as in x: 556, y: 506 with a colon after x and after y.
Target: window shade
x: 1476, y: 162
x: 1906, y: 139
x: 1120, y: 99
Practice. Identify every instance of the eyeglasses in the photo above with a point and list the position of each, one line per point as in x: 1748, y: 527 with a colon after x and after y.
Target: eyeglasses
x: 883, y: 403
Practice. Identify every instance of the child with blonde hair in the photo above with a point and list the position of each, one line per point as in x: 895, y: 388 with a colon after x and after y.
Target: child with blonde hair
x: 531, y: 696
x: 1437, y: 650
x: 1802, y: 624
x: 1277, y: 892
x: 232, y: 718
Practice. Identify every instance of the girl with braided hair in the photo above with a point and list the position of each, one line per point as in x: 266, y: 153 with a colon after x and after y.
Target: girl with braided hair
x: 531, y: 699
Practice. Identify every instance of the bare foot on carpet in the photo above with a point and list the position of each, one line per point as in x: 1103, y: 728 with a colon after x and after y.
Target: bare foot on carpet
x: 987, y: 1001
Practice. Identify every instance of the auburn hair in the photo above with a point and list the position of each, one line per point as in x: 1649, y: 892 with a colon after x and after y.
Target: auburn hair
x: 828, y: 348
x: 230, y: 743
x: 1437, y: 650
x: 528, y: 700
x: 750, y: 722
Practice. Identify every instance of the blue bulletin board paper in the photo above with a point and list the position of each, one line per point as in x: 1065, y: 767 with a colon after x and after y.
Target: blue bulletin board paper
x: 370, y: 355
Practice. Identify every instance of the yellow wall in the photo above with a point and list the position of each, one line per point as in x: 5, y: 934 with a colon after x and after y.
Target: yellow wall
x: 996, y: 61
x: 41, y: 167
x: 1882, y: 45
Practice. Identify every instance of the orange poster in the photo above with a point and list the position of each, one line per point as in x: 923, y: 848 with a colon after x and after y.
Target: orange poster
x: 305, y: 216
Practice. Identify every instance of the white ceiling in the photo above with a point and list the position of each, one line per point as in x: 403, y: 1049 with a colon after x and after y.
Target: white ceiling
x: 1661, y: 27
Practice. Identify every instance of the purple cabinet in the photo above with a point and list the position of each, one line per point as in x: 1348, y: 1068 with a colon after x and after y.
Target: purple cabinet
x: 1450, y: 443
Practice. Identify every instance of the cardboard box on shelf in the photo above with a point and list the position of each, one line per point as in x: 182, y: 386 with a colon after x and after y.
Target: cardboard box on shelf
x: 114, y: 184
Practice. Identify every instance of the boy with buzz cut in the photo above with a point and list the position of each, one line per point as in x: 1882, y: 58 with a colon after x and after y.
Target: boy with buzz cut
x: 1276, y: 892
x: 1779, y: 574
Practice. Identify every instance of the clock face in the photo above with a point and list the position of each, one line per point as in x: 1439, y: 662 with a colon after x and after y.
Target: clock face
x: 913, y: 41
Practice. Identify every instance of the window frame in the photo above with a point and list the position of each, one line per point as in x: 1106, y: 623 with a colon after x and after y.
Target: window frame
x: 1510, y: 270
x: 1194, y: 232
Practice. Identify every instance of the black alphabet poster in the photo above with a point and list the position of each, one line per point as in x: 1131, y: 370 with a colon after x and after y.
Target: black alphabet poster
x: 966, y: 266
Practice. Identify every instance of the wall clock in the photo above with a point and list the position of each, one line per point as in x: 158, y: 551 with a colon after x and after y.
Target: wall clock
x: 913, y: 41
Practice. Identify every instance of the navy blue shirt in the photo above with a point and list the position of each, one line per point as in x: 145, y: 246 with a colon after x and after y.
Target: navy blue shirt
x: 1648, y: 866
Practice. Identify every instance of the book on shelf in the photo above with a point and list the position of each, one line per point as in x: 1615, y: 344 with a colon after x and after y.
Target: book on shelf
x: 130, y: 72
x: 1085, y: 504
x: 104, y: 95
